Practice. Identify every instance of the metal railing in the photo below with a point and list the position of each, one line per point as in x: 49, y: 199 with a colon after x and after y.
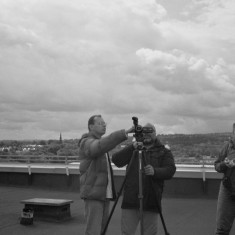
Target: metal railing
x: 70, y: 165
x: 31, y: 159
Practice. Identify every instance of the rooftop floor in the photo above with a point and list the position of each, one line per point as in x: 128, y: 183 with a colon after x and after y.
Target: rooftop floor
x: 183, y: 216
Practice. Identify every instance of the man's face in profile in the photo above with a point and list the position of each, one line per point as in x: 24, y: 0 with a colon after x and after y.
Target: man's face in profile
x: 99, y: 126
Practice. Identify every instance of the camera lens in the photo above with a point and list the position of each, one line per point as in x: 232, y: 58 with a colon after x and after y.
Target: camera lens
x: 138, y: 128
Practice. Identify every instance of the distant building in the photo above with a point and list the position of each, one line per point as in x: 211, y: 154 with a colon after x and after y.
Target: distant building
x: 167, y: 146
x: 30, y: 147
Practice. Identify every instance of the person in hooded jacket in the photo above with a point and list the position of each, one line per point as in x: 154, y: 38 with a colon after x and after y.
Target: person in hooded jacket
x: 225, y: 163
x: 158, y: 165
x: 96, y: 175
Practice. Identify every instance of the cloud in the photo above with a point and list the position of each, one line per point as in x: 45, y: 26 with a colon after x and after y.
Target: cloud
x: 167, y: 63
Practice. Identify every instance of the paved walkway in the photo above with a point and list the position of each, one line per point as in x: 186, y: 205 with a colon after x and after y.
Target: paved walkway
x: 182, y: 216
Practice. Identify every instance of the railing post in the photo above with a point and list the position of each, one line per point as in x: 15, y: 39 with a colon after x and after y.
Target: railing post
x: 29, y: 167
x: 203, y: 175
x: 66, y: 167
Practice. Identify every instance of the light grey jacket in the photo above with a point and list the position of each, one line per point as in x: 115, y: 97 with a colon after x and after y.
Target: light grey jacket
x: 93, y: 164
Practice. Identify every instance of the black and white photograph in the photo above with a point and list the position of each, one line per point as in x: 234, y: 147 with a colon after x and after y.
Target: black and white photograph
x: 117, y: 117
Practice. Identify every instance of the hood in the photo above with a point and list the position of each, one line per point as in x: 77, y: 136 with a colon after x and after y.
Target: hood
x: 83, y: 137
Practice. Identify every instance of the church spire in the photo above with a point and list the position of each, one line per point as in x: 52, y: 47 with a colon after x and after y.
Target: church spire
x: 60, y: 138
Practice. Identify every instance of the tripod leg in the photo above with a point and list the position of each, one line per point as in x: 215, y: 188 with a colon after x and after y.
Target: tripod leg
x: 111, y: 213
x: 141, y: 192
x: 118, y: 196
x: 160, y: 211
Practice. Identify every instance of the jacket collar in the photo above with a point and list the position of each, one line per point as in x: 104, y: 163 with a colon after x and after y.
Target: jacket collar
x: 87, y: 135
x: 94, y: 135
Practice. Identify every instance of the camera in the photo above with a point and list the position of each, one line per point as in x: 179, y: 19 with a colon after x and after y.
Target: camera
x: 140, y: 131
x: 229, y: 161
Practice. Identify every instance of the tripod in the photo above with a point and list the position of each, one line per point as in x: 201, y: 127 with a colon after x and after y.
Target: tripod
x: 141, y: 151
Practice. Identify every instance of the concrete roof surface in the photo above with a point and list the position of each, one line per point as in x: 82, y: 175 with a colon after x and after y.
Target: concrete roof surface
x: 183, y: 216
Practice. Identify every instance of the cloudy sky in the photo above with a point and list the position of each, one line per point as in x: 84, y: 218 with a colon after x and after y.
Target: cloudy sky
x: 167, y: 62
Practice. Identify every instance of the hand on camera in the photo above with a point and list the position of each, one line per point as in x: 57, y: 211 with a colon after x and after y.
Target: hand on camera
x: 130, y: 130
x: 138, y: 145
x: 229, y: 163
x: 149, y: 170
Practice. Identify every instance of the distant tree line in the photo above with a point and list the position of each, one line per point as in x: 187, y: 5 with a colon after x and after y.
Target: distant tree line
x: 181, y: 145
x: 196, y: 145
x: 39, y: 147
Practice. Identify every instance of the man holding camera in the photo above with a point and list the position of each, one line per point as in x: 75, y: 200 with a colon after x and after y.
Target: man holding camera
x: 96, y: 176
x: 158, y: 165
x: 225, y: 163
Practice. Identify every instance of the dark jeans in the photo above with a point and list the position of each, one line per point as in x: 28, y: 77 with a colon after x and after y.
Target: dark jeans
x: 225, y: 212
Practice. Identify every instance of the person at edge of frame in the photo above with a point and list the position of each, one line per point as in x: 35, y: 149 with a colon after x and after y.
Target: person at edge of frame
x: 96, y: 175
x: 159, y: 165
x: 225, y: 163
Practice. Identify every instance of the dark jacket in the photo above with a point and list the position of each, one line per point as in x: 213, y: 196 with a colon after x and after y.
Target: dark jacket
x: 227, y: 151
x: 164, y: 168
x: 93, y: 164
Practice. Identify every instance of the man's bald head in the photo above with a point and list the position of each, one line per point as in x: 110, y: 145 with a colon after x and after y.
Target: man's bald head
x: 152, y: 126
